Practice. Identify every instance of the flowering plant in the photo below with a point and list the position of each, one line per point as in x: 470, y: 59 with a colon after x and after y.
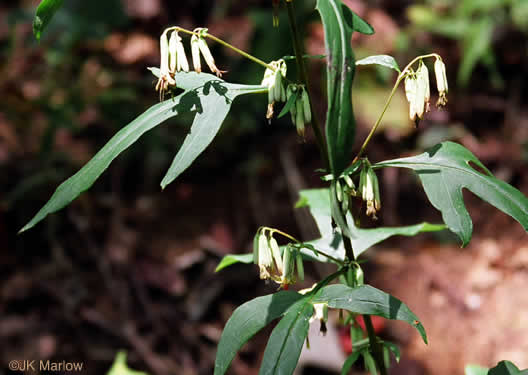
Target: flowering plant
x: 444, y: 171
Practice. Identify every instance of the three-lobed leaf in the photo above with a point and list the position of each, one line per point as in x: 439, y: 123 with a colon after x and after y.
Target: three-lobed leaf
x: 318, y: 201
x: 45, y: 12
x: 445, y: 170
x: 205, y: 95
x: 247, y: 320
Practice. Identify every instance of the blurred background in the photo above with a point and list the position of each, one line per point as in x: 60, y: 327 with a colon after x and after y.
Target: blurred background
x: 128, y: 267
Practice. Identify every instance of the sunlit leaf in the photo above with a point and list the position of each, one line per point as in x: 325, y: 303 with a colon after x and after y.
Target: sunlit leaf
x: 231, y: 259
x: 445, y: 170
x: 318, y: 201
x: 45, y: 12
x: 475, y: 370
x: 383, y: 60
x: 205, y: 95
x: 340, y: 122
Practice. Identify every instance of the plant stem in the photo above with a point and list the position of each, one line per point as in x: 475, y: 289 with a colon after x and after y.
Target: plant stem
x: 303, y: 78
x: 377, y: 349
x: 401, y: 76
x: 225, y: 44
x: 340, y: 262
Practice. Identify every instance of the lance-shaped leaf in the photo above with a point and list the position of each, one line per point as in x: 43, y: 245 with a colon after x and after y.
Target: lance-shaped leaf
x: 287, y: 339
x: 45, y: 12
x: 339, y: 22
x: 445, y: 170
x: 231, y: 259
x: 369, y: 300
x: 383, y: 60
x: 247, y: 320
x: 208, y: 97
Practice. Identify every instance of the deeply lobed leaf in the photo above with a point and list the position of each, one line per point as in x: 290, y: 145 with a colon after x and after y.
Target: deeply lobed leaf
x: 445, y: 170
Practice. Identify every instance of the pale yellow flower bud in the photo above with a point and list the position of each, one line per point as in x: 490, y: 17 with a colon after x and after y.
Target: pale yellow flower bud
x: 410, y: 93
x: 423, y: 79
x: 195, y: 52
x: 165, y: 79
x: 441, y: 82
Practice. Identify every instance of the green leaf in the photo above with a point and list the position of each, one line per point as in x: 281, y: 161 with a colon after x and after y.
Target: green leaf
x: 119, y: 367
x: 291, y: 101
x: 445, y: 170
x: 208, y: 97
x: 352, y: 358
x: 356, y: 22
x: 45, y: 12
x: 84, y: 178
x: 216, y: 97
x: 340, y: 122
x: 383, y: 60
x: 476, y: 370
x: 231, y: 259
x: 477, y: 43
x: 247, y: 320
x: 507, y: 368
x: 394, y: 349
x: 287, y: 339
x: 369, y: 300
x: 331, y: 242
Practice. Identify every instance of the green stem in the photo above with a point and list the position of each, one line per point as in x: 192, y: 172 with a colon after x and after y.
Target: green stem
x: 225, y: 44
x: 375, y: 345
x: 340, y: 262
x: 303, y: 78
x: 401, y: 76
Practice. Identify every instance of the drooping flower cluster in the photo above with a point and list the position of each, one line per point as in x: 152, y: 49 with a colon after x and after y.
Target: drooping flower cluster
x: 273, y: 81
x: 300, y: 111
x: 369, y: 189
x: 174, y: 59
x: 417, y: 89
x: 272, y: 264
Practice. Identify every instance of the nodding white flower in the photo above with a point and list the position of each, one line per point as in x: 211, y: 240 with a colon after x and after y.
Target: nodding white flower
x: 265, y: 258
x: 441, y: 82
x: 199, y: 45
x: 272, y: 79
x: 320, y: 314
x: 288, y: 273
x: 369, y: 187
x: 178, y: 59
x: 423, y: 83
x: 195, y: 52
x: 165, y: 78
x: 411, y: 92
